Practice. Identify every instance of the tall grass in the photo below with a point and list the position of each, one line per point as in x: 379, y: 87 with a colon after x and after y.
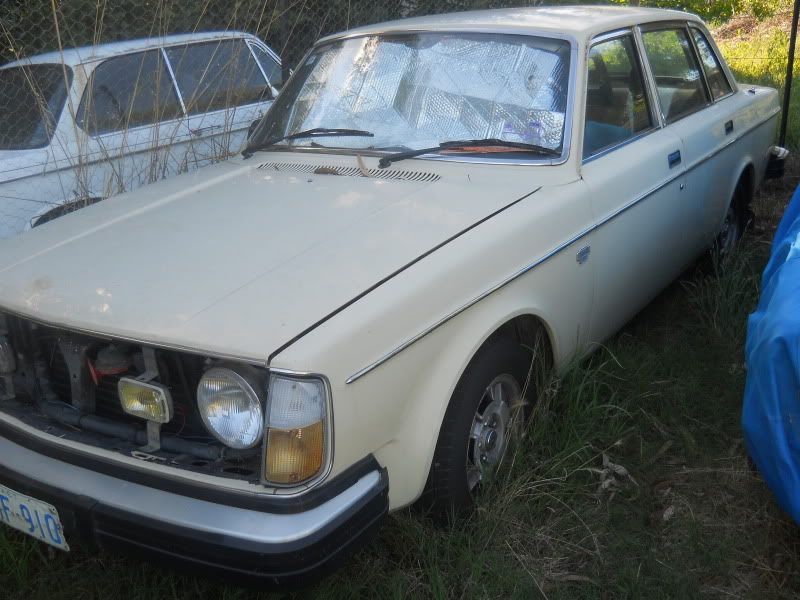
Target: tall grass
x: 630, y: 481
x: 757, y: 49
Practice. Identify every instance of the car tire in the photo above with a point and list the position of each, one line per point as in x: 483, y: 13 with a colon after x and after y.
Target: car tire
x: 63, y: 209
x: 482, y: 420
x: 733, y: 226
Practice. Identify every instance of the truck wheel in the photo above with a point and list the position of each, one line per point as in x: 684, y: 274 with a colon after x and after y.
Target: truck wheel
x: 485, y: 416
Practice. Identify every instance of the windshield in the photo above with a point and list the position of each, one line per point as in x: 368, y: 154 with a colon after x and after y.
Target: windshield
x: 31, y: 100
x: 418, y: 90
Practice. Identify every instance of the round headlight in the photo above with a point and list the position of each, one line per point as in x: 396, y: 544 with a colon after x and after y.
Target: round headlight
x: 230, y: 408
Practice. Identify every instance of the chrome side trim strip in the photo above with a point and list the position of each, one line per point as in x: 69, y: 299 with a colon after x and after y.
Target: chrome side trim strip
x: 359, y: 374
x: 613, y: 215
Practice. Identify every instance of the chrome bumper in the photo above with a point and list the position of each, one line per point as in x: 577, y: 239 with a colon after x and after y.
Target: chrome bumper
x: 105, y: 511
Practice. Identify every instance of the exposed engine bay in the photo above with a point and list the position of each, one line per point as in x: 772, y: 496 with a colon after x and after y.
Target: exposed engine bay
x: 67, y: 385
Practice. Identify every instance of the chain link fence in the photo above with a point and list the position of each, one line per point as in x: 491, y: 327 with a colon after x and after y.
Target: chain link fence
x: 77, y: 129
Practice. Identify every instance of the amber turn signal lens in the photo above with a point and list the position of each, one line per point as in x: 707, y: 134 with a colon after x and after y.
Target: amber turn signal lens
x: 145, y: 400
x: 297, y: 430
x: 295, y: 455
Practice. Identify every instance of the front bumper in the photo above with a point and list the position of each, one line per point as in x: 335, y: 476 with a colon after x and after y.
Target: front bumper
x: 104, y: 512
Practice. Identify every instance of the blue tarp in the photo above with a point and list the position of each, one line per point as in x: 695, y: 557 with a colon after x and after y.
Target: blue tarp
x: 771, y: 412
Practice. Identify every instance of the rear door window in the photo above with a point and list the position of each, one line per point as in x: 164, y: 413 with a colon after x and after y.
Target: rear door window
x: 715, y: 76
x: 616, y: 103
x: 216, y: 75
x: 677, y: 74
x: 128, y: 91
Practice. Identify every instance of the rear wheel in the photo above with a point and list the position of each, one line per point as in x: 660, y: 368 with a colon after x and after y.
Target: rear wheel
x: 734, y: 224
x: 483, y: 421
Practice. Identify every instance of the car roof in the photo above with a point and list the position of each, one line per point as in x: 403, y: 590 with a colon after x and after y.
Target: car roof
x: 581, y: 22
x: 85, y: 54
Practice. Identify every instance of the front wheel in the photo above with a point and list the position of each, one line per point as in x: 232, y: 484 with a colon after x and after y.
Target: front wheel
x: 484, y: 419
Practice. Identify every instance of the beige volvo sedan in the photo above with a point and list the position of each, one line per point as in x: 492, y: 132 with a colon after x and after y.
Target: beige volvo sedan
x: 245, y: 368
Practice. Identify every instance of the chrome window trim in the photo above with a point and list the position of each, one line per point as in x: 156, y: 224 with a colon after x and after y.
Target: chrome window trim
x: 679, y: 26
x: 242, y: 39
x: 569, y: 115
x: 88, y: 86
x: 655, y: 121
x: 607, y: 36
x: 514, y: 276
x: 252, y: 44
x: 655, y: 102
x: 254, y: 41
x: 174, y: 80
x: 700, y: 66
x: 526, y: 32
x: 258, y: 63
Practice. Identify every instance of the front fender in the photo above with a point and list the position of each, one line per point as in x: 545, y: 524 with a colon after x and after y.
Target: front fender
x: 417, y: 334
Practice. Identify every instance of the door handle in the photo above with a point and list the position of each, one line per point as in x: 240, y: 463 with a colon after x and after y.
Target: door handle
x: 204, y: 130
x: 674, y: 159
x: 729, y: 128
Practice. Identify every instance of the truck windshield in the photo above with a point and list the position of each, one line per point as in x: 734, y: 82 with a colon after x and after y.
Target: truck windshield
x: 417, y: 90
x: 31, y: 100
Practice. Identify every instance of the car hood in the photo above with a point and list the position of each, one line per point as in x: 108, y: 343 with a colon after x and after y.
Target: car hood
x: 239, y: 258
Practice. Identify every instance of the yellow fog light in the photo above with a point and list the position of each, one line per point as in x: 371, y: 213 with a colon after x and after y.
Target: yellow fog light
x: 145, y: 400
x: 297, y: 430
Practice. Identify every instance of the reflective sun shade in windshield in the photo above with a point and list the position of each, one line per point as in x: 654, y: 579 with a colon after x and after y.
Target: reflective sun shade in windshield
x: 418, y: 90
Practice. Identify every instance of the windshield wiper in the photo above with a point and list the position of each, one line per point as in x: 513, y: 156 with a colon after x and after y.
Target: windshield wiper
x: 308, y: 133
x: 484, y: 143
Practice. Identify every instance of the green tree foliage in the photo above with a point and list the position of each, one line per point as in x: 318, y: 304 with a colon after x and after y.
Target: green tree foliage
x: 717, y: 10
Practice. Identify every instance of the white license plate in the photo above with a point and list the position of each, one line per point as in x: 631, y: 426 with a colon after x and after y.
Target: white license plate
x: 34, y: 517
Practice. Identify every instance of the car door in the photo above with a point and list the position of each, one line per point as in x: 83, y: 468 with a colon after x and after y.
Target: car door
x: 133, y: 123
x: 687, y: 88
x: 633, y: 169
x: 224, y: 91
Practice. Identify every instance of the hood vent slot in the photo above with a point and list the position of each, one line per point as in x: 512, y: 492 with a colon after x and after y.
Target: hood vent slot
x: 349, y: 171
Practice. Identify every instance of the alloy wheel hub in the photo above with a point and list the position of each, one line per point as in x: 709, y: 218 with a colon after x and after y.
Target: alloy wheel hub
x: 492, y: 428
